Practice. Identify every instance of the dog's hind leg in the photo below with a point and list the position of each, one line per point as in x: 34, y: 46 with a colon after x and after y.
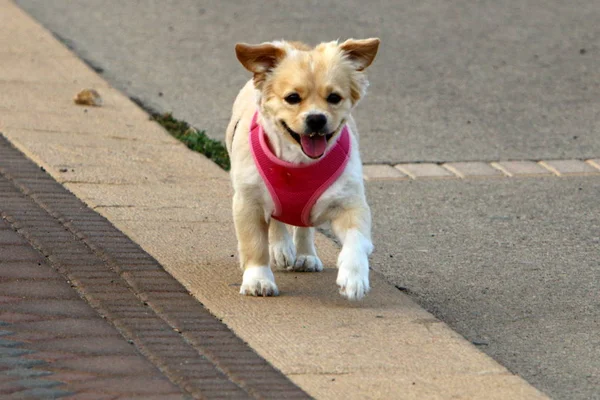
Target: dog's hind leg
x: 253, y: 246
x: 281, y: 247
x: 306, y: 258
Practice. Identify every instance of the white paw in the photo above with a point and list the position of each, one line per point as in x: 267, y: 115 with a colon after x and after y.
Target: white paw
x: 283, y: 254
x: 353, y: 274
x: 259, y: 281
x: 306, y: 263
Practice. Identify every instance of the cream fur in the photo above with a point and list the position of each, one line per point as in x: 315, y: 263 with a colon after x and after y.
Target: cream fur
x: 263, y: 241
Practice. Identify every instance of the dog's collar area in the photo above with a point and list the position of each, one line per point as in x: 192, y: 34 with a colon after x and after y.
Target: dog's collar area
x: 295, y: 188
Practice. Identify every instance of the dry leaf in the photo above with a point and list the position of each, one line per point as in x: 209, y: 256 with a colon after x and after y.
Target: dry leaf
x: 88, y: 97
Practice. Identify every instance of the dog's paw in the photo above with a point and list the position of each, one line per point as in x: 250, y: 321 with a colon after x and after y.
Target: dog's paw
x: 283, y: 254
x: 259, y: 281
x: 353, y: 286
x: 353, y: 274
x: 306, y: 263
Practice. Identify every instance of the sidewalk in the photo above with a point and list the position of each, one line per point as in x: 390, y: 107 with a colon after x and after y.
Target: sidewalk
x: 174, y: 204
x: 87, y: 312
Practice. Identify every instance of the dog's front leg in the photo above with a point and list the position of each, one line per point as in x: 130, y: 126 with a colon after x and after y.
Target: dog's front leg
x: 253, y: 246
x: 353, y: 227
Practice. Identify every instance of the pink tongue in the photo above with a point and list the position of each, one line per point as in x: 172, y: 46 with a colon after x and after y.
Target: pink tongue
x: 313, y: 147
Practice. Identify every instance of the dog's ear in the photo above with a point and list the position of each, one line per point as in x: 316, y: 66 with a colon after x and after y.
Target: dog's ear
x: 361, y: 52
x: 259, y: 59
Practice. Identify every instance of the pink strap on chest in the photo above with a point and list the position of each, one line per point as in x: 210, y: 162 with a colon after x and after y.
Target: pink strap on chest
x: 295, y: 188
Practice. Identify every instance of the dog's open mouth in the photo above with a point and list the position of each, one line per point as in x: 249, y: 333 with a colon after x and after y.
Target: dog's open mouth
x: 314, y: 144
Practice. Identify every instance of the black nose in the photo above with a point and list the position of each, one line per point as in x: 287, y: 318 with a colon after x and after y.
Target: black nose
x: 316, y: 122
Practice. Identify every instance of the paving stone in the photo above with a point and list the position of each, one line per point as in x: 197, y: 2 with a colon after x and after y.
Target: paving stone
x: 109, y: 364
x: 41, y: 393
x: 19, y: 253
x: 71, y: 327
x: 7, y: 388
x: 10, y: 343
x: 92, y: 395
x: 13, y: 352
x: 10, y: 237
x: 424, y: 170
x: 29, y: 336
x: 50, y: 356
x: 128, y: 384
x: 174, y: 396
x: 27, y: 270
x: 54, y: 308
x: 31, y: 383
x: 87, y: 346
x: 473, y: 170
x: 43, y: 289
x: 382, y: 172
x: 25, y: 373
x: 522, y: 168
x: 69, y: 376
x: 19, y: 362
x: 13, y: 317
x: 569, y: 167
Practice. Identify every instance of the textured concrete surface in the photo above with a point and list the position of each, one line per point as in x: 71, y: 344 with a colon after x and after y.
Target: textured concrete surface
x: 380, y: 347
x: 454, y: 81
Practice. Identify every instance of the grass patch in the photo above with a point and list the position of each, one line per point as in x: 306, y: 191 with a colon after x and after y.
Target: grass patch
x: 194, y: 139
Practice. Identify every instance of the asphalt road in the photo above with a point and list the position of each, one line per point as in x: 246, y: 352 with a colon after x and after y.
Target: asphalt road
x: 513, y: 265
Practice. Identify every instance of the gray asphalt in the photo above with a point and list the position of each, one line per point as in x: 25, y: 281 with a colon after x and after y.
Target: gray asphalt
x: 513, y: 265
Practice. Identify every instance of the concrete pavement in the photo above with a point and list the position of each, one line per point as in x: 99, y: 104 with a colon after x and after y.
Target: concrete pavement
x: 122, y: 165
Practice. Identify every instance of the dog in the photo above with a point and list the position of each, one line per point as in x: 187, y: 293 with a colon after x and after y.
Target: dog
x: 295, y: 161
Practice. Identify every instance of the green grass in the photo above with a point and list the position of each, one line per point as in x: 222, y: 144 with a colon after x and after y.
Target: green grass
x: 194, y: 139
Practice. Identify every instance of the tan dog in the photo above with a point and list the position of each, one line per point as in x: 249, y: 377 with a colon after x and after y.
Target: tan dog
x: 298, y: 105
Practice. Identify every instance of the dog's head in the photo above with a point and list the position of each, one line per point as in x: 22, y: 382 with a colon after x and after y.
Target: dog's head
x: 307, y: 94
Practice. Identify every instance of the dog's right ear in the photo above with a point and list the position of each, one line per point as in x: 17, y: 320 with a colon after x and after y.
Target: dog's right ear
x: 259, y: 59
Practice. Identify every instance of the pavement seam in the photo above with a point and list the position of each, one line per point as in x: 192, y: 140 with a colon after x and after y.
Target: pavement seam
x: 457, y: 173
x: 135, y: 275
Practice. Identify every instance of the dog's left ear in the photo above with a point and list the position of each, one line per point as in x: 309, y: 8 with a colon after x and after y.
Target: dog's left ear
x: 361, y: 52
x: 259, y: 59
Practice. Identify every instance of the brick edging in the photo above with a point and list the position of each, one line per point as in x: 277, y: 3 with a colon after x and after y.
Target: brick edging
x: 131, y: 290
x: 482, y: 169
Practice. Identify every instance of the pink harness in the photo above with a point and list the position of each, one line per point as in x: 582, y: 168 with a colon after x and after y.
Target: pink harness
x: 296, y: 188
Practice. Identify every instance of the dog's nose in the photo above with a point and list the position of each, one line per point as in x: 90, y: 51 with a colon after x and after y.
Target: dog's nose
x: 316, y: 122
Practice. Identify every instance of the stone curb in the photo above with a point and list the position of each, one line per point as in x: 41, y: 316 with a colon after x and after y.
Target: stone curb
x: 480, y: 169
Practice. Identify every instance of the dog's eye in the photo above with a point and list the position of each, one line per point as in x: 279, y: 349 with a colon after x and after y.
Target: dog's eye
x: 293, y: 98
x: 334, y: 98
